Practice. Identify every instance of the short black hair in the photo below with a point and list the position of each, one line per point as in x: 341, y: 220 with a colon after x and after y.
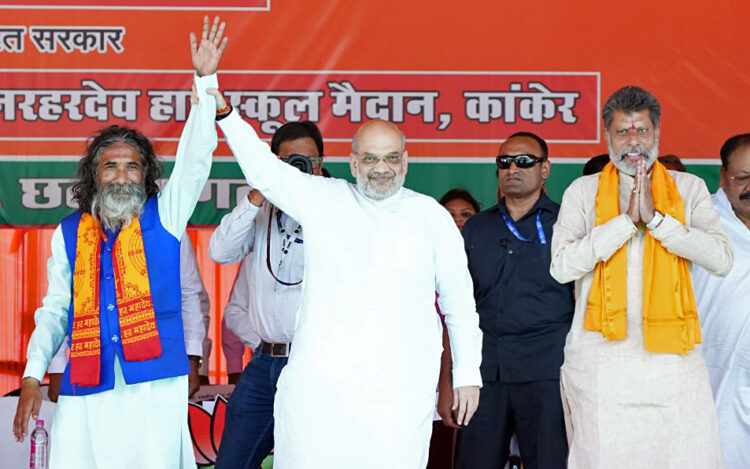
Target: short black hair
x: 539, y: 140
x: 674, y: 161
x: 295, y: 130
x: 595, y: 164
x: 629, y: 99
x: 730, y: 146
x: 462, y: 194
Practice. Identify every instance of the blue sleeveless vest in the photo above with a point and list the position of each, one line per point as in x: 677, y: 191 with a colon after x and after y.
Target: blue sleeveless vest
x: 163, y: 263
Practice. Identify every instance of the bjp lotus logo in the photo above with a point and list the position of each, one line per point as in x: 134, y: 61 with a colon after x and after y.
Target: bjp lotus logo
x: 206, y: 429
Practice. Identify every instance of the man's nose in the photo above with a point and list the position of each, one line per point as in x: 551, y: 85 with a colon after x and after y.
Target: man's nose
x: 121, y: 176
x: 381, y: 166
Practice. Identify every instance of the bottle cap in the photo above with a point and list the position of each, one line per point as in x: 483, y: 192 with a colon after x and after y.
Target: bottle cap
x: 39, y: 422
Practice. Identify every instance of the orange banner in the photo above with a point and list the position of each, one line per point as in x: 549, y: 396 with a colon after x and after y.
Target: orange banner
x: 458, y: 77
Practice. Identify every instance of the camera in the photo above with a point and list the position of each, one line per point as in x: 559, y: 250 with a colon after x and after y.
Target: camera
x: 300, y: 162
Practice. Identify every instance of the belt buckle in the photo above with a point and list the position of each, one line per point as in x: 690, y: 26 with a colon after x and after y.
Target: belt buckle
x: 276, y: 346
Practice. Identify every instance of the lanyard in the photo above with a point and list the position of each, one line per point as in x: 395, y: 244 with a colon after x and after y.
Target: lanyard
x: 539, y: 229
x: 286, y: 235
x: 286, y: 243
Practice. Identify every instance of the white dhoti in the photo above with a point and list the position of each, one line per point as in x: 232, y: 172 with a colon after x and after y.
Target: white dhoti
x: 324, y: 424
x: 132, y: 426
x: 651, y: 411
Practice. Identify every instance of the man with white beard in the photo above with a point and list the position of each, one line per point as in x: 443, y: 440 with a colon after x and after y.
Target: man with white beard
x: 634, y: 382
x: 114, y: 288
x: 359, y: 387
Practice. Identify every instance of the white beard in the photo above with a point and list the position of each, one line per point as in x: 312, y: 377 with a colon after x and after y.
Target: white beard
x: 115, y: 205
x: 623, y: 165
x: 365, y: 187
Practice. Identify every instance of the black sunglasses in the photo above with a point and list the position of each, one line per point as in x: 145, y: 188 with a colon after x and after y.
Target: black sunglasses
x: 521, y: 161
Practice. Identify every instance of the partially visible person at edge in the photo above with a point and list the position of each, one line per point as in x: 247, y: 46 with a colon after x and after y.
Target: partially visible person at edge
x: 524, y: 315
x: 673, y: 162
x: 595, y: 164
x: 724, y: 308
x: 123, y: 401
x: 232, y: 346
x: 635, y: 388
x: 375, y: 255
x: 265, y: 297
x: 460, y: 204
x: 195, y: 317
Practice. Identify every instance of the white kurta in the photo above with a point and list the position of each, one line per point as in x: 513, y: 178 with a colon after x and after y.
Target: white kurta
x: 136, y: 425
x: 359, y: 388
x: 626, y: 407
x: 724, y: 310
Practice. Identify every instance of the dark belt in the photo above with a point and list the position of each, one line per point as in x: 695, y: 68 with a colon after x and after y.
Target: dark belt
x: 275, y: 349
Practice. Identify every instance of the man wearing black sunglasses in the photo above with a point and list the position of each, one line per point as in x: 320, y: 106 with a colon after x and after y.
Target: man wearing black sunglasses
x: 524, y: 315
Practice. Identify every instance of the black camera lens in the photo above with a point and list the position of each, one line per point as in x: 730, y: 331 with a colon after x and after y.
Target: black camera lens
x: 300, y: 162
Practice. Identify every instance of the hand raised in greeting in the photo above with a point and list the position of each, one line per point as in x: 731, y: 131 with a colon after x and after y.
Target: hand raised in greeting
x: 207, y: 54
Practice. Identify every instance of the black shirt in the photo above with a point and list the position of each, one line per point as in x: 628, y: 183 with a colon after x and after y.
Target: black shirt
x: 524, y: 313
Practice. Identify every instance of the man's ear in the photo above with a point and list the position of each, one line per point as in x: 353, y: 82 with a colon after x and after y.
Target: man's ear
x: 353, y: 164
x: 405, y: 162
x: 546, y: 169
x: 723, y: 178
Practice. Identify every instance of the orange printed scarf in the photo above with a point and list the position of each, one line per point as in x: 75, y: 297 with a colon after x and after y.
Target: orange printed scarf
x: 670, y: 318
x: 140, y: 337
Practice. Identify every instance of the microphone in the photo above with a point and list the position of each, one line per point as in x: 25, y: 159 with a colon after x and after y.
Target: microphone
x: 504, y: 243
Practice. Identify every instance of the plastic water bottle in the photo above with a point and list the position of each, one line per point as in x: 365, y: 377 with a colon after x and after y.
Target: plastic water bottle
x: 39, y: 446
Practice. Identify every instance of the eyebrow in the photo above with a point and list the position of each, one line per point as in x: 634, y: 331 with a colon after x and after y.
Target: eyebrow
x: 394, y: 152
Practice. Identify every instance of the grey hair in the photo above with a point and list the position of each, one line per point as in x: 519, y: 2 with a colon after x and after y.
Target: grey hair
x: 355, y: 140
x: 631, y: 99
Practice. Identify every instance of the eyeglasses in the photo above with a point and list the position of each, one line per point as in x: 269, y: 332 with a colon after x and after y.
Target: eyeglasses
x: 369, y: 159
x: 521, y: 161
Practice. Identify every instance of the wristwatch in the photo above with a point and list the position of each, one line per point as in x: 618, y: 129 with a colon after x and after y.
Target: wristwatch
x: 196, y: 358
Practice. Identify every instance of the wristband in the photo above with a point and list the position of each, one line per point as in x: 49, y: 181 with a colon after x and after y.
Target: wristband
x: 222, y: 113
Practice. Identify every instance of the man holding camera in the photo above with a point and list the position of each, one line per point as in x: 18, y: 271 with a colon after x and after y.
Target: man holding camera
x: 270, y: 285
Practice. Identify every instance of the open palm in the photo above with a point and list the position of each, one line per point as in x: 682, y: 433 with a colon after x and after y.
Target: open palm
x: 207, y: 54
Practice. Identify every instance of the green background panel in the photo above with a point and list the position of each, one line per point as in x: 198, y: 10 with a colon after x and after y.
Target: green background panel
x: 433, y: 179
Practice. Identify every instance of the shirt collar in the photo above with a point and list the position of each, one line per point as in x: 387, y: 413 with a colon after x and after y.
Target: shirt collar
x: 543, y: 202
x: 726, y: 212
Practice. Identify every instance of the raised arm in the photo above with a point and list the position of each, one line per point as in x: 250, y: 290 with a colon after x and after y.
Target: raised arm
x: 576, y: 249
x: 198, y: 140
x: 289, y: 189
